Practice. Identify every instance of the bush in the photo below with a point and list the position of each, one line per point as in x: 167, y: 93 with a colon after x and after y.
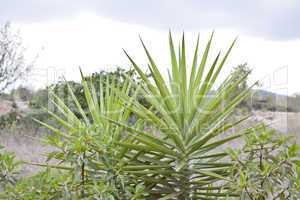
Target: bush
x: 45, y: 185
x: 9, y: 120
x: 9, y: 169
x: 267, y: 167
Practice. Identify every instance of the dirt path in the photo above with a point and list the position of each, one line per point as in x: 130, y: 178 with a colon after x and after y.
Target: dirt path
x: 287, y: 123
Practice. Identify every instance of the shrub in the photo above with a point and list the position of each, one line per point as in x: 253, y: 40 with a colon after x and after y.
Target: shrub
x: 9, y: 168
x: 44, y: 185
x: 267, y: 167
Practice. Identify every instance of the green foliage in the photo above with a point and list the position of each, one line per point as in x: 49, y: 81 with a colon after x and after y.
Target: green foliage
x: 39, y: 99
x: 9, y: 119
x: 42, y: 98
x: 238, y: 72
x: 87, y: 143
x: 267, y: 167
x: 61, y: 90
x: 18, y: 121
x: 57, y: 184
x: 9, y: 168
x: 186, y: 151
x: 22, y: 93
x: 45, y: 185
x: 182, y: 160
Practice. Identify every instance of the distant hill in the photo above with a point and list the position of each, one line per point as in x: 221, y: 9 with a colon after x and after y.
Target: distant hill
x: 265, y: 100
x: 26, y: 99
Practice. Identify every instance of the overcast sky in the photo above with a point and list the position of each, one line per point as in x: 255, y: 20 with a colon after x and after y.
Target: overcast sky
x: 92, y: 33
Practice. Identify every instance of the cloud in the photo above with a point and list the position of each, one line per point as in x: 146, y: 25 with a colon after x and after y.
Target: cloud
x: 274, y: 19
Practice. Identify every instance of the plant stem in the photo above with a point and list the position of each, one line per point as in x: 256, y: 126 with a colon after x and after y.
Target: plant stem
x: 82, y: 175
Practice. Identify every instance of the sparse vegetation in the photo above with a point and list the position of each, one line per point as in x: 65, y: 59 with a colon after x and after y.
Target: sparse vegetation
x: 13, y: 64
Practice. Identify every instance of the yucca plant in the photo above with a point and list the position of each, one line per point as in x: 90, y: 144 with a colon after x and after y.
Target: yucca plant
x: 173, y: 150
x: 87, y: 145
x: 179, y: 157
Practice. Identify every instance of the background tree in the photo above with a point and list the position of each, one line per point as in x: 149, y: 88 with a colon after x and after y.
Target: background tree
x: 13, y: 64
x: 238, y: 72
x: 241, y: 70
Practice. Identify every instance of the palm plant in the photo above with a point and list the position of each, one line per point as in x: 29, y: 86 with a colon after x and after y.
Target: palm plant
x: 184, y: 161
x: 173, y: 150
x: 87, y: 144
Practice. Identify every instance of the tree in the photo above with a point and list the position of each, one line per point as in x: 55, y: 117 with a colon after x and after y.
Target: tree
x: 13, y: 65
x: 238, y: 72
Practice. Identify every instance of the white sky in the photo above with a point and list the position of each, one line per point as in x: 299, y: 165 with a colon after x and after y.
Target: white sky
x: 94, y: 42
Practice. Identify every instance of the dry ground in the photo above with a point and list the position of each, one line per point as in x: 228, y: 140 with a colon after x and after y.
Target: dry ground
x: 25, y: 148
x: 285, y: 122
